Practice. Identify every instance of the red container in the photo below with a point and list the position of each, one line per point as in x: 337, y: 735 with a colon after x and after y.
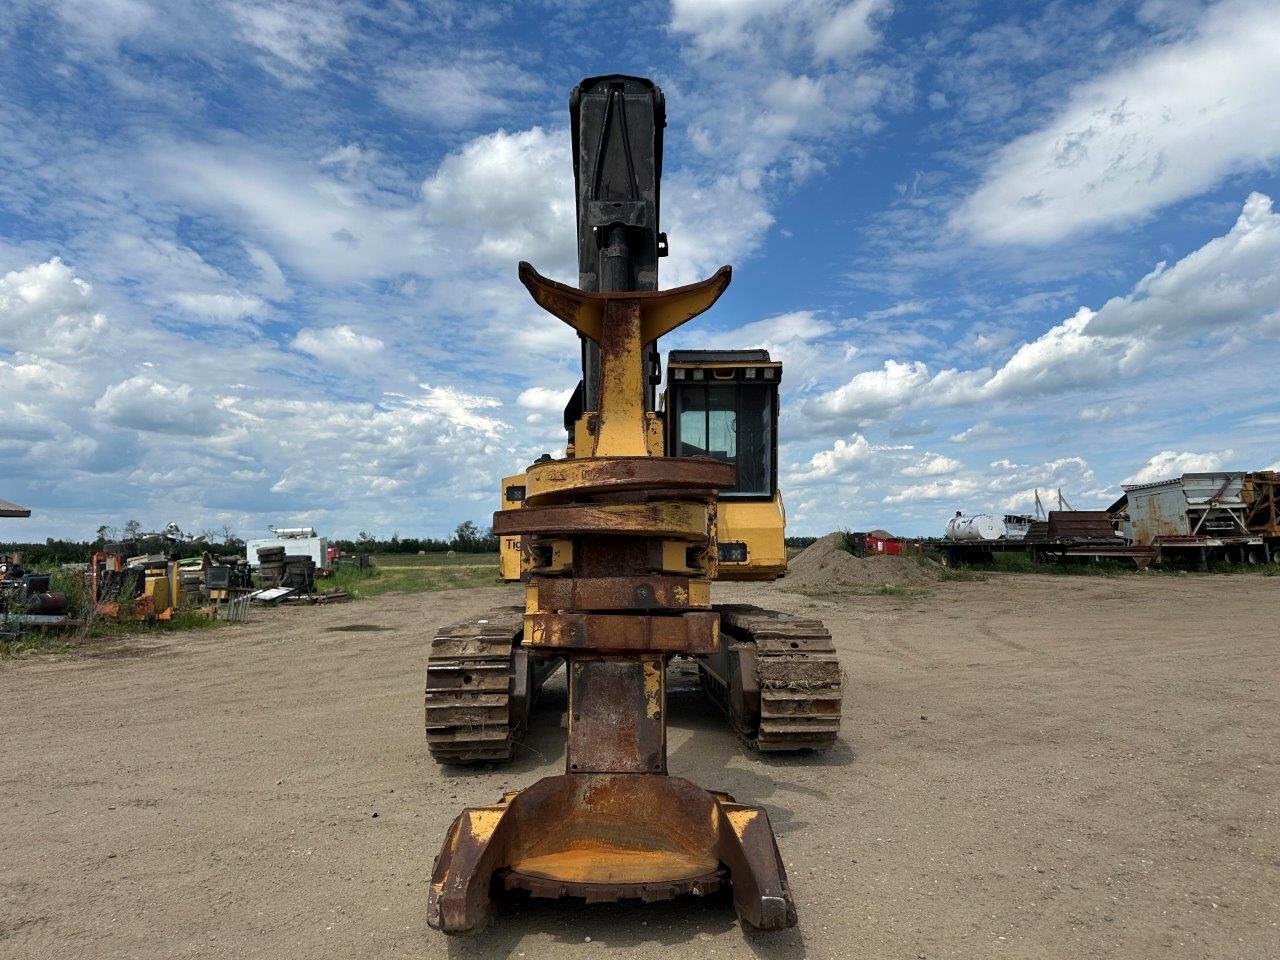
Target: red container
x: 883, y: 545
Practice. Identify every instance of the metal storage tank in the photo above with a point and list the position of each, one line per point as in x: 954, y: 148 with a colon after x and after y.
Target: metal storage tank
x: 981, y: 526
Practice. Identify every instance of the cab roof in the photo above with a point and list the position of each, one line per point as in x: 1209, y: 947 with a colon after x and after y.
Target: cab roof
x: 718, y: 356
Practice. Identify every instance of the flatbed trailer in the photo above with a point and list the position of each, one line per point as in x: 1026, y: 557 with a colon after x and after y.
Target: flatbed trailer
x: 969, y: 552
x: 1059, y: 551
x: 1204, y: 549
x: 956, y: 553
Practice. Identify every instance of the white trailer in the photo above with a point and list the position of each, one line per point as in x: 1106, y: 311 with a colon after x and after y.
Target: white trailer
x: 297, y: 542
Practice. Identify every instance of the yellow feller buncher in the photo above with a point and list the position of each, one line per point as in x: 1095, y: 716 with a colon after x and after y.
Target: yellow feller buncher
x: 618, y: 543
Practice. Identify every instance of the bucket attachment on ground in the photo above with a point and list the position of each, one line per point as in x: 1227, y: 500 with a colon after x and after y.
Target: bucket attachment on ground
x: 609, y: 837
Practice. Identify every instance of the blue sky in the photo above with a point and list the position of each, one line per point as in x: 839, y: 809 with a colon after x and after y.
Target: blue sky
x: 257, y: 257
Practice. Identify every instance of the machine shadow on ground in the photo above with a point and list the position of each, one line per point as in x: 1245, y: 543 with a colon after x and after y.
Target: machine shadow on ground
x: 621, y: 926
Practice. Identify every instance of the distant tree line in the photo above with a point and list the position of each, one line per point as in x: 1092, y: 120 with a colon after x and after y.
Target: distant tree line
x: 467, y: 538
x: 54, y: 552
x: 800, y: 542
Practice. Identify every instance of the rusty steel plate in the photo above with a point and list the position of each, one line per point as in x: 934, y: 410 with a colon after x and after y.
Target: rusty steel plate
x: 684, y: 521
x: 690, y: 633
x: 555, y: 480
x: 619, y: 593
x: 617, y: 717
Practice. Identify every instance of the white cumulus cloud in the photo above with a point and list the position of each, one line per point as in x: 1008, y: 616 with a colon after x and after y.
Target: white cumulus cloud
x: 47, y: 305
x: 1228, y: 286
x: 931, y: 465
x: 339, y: 345
x: 1168, y: 464
x: 460, y: 408
x: 1231, y: 281
x: 1143, y: 135
x: 844, y: 456
x: 509, y: 197
x: 873, y: 394
x: 710, y: 221
x: 544, y: 399
x: 219, y: 306
x: 850, y: 29
x: 956, y: 490
x: 144, y: 403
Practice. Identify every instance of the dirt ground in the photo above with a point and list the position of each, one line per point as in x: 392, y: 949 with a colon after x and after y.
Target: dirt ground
x: 1030, y: 766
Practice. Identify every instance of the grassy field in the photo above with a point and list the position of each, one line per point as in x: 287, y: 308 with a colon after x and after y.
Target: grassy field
x: 408, y: 573
x: 394, y: 560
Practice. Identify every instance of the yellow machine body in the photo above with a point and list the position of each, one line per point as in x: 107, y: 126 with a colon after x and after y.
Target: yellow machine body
x: 163, y: 586
x: 750, y: 530
x: 510, y: 498
x: 761, y: 527
x: 619, y: 543
x: 635, y: 592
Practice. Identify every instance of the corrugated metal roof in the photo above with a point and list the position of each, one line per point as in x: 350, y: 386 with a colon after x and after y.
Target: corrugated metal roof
x: 8, y: 509
x: 1225, y: 485
x: 1215, y: 476
x: 1153, y: 485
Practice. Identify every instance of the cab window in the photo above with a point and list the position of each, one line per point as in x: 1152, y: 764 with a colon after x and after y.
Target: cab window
x: 729, y: 422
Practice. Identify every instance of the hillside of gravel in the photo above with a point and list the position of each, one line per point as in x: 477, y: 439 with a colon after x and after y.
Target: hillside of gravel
x: 824, y: 565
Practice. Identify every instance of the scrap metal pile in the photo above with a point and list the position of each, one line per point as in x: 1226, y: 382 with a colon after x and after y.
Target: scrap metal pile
x: 26, y: 598
x: 1220, y: 516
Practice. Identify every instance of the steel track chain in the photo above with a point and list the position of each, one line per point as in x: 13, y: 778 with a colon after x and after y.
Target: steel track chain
x: 797, y: 673
x: 468, y: 690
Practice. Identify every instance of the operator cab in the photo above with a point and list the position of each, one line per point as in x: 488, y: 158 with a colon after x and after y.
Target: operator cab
x: 724, y: 404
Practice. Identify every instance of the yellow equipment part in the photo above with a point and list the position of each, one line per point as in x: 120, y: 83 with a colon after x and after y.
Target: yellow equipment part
x: 615, y: 826
x: 618, y: 544
x: 513, y: 565
x: 653, y: 432
x: 511, y: 497
x: 760, y: 525
x: 164, y: 587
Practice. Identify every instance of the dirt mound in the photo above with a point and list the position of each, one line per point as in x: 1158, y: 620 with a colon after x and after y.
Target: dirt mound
x: 823, y: 565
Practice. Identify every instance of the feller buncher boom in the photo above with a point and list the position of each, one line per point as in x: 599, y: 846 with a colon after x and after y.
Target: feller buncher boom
x: 618, y: 544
